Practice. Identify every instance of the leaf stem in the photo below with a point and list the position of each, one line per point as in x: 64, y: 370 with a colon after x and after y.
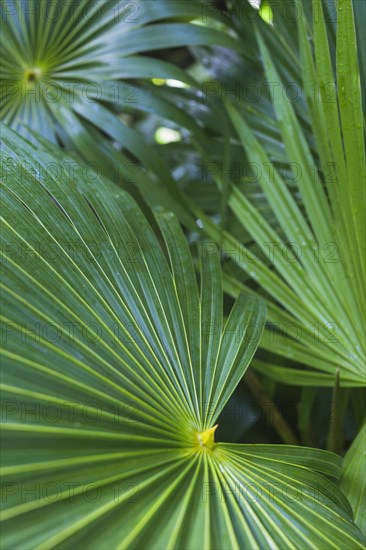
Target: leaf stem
x: 272, y: 413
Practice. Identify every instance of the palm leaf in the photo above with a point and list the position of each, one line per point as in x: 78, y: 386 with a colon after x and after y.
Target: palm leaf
x: 71, y: 73
x: 313, y: 276
x: 54, y: 54
x: 114, y: 379
x: 352, y: 478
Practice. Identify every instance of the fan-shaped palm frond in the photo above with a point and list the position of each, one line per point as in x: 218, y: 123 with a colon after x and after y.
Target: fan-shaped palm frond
x: 117, y: 367
x: 69, y: 68
x: 58, y: 55
x: 315, y: 283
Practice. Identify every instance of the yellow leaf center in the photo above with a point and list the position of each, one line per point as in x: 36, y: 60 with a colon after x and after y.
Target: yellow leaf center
x: 207, y: 438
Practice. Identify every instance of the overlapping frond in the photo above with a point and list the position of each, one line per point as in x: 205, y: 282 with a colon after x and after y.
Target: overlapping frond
x: 310, y: 265
x: 352, y: 478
